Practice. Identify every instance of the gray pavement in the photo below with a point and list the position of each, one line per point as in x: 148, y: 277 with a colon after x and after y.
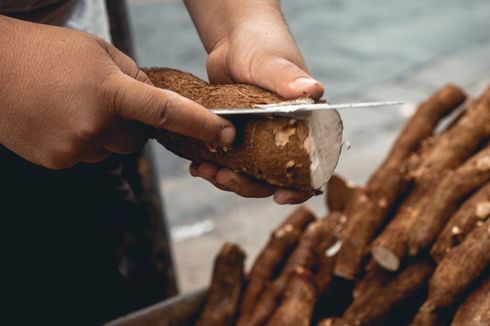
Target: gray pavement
x: 361, y: 50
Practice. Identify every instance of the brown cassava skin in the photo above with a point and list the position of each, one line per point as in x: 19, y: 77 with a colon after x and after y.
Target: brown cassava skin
x: 299, y: 299
x: 375, y: 278
x: 281, y: 242
x: 317, y: 237
x: 339, y: 192
x: 255, y: 151
x: 324, y: 264
x: 420, y: 127
x: 324, y: 273
x: 455, y: 145
x: 387, y: 184
x: 426, y: 168
x: 226, y: 285
x: 373, y: 306
x: 475, y: 309
x: 334, y: 321
x: 474, y: 210
x: 454, y: 187
x: 391, y: 245
x: 457, y: 271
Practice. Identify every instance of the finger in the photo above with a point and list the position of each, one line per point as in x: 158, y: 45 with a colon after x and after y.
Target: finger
x: 208, y: 172
x: 286, y: 196
x: 285, y: 78
x: 125, y: 137
x: 125, y: 63
x: 242, y: 185
x: 134, y: 100
x: 218, y: 72
x: 204, y: 170
x: 94, y: 155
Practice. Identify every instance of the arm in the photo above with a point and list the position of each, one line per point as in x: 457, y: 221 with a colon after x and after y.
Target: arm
x: 69, y: 97
x: 248, y: 42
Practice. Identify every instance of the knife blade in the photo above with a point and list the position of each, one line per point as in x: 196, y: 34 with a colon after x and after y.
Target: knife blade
x: 294, y: 107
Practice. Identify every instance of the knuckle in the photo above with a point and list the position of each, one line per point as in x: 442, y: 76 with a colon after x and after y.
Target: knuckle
x: 86, y: 133
x: 163, y: 119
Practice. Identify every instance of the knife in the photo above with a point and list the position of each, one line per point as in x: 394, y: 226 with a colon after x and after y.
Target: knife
x: 302, y: 106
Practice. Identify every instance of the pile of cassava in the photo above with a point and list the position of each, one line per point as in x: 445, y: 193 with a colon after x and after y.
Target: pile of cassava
x: 411, y: 247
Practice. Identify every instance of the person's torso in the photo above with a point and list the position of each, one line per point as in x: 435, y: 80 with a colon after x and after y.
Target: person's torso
x: 53, y: 12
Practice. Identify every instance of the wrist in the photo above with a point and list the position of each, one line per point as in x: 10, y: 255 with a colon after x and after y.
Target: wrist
x: 10, y: 46
x: 216, y: 20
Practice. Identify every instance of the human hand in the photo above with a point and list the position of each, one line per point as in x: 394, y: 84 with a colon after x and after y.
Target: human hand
x: 258, y: 51
x: 69, y: 97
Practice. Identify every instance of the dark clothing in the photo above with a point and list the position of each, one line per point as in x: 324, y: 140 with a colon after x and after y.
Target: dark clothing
x: 75, y: 246
x: 53, y: 12
x: 64, y: 244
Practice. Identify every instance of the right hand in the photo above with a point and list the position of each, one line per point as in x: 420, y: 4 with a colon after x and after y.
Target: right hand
x: 69, y: 97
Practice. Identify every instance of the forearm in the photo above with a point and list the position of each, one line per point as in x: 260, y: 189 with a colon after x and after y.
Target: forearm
x: 12, y: 52
x: 216, y: 19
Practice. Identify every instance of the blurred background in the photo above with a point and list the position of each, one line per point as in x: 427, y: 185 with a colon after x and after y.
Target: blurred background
x: 361, y: 51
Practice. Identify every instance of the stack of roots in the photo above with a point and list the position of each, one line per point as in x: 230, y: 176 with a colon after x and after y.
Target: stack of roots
x: 411, y: 247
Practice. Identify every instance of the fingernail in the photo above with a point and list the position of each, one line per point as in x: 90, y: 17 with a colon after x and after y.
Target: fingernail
x: 303, y: 81
x: 227, y: 135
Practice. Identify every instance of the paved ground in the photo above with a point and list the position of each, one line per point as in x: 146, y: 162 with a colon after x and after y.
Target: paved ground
x: 361, y: 50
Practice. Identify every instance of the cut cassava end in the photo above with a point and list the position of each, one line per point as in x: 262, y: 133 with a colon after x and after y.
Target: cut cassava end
x: 226, y: 285
x: 370, y: 208
x: 427, y: 167
x: 294, y: 153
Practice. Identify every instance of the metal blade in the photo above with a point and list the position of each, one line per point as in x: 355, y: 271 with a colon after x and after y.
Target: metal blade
x: 302, y: 107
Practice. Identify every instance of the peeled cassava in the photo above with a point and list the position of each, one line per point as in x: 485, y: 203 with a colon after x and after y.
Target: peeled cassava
x: 296, y: 153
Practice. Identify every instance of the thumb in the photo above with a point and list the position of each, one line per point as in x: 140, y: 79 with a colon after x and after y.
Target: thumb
x: 135, y: 100
x: 285, y: 78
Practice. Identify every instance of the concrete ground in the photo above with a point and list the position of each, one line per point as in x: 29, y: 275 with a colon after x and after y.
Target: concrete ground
x: 361, y: 50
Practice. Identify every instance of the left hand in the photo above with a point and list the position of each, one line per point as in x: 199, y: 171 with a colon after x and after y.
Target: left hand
x: 261, y: 53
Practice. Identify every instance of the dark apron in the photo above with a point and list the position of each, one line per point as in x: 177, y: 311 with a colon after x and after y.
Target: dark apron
x: 72, y: 246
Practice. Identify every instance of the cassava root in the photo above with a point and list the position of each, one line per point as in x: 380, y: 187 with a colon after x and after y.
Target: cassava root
x: 426, y: 169
x: 226, y: 286
x: 288, y: 152
x: 475, y: 210
x: 266, y: 266
x: 367, y: 211
x: 433, y: 205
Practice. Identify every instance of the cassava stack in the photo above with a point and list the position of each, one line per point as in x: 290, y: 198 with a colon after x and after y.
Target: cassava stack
x: 296, y: 153
x: 411, y: 247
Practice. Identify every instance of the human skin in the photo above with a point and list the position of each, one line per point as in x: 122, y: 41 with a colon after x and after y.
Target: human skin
x: 70, y: 97
x: 249, y: 42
